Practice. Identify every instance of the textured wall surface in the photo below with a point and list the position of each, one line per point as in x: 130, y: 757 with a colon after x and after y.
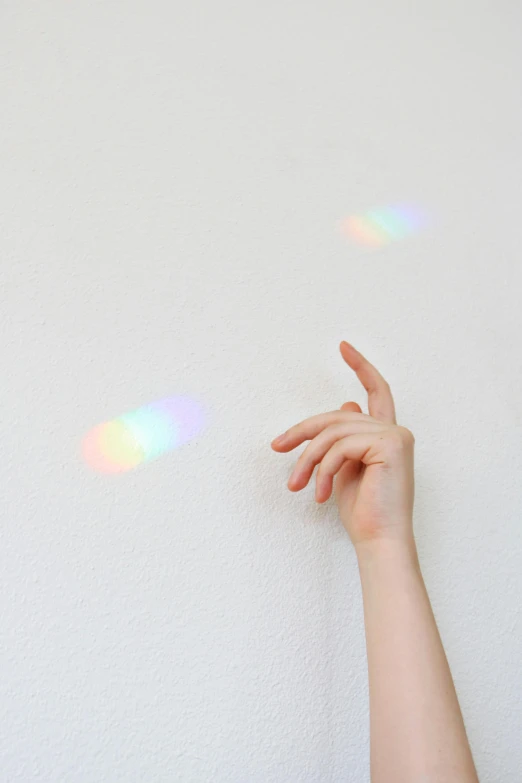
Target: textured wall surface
x: 173, y: 178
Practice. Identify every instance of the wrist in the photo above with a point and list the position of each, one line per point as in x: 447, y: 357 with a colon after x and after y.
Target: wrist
x: 381, y: 549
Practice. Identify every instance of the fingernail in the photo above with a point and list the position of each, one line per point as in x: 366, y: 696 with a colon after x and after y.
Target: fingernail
x: 279, y: 438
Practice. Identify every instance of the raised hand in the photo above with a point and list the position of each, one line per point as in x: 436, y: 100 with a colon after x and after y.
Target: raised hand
x: 367, y: 459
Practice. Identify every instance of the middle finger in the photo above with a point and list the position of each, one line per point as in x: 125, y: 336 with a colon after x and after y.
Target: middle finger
x: 309, y: 428
x: 321, y: 444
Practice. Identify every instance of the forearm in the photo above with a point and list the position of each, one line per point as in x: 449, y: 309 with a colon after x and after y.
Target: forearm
x: 416, y: 727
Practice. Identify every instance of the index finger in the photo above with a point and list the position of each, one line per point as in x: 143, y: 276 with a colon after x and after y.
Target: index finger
x: 380, y: 400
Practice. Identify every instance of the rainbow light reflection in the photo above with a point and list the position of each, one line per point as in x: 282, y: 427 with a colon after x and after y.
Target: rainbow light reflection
x: 142, y: 435
x: 381, y: 226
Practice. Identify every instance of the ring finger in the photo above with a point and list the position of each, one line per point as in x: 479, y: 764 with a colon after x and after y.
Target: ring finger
x: 321, y: 444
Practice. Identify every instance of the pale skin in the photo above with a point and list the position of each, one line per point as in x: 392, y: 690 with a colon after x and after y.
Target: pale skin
x: 417, y: 732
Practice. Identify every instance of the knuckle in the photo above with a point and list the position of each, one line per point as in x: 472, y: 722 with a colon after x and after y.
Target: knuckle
x: 408, y: 436
x: 400, y: 438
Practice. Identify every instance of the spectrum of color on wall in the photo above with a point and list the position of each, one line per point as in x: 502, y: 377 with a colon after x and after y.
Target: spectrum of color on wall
x: 141, y: 435
x: 381, y: 226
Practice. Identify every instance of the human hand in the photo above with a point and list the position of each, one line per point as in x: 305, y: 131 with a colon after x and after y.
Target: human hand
x: 369, y: 456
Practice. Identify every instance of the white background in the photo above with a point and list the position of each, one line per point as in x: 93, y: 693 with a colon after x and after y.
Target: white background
x: 173, y: 178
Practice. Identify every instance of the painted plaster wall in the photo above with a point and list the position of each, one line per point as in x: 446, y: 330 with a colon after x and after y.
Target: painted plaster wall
x: 173, y: 178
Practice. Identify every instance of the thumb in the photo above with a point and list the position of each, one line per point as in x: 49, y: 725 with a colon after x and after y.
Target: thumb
x: 351, y: 406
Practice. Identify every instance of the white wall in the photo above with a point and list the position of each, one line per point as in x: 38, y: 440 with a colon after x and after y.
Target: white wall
x: 173, y: 177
